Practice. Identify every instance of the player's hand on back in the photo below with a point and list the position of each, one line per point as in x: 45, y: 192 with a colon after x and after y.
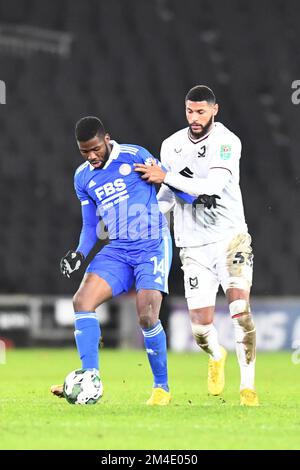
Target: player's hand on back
x: 208, y: 201
x: 71, y: 262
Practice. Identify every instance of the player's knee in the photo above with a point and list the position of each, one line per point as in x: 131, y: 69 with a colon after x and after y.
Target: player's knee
x: 202, y: 316
x: 146, y: 321
x: 148, y: 305
x: 76, y: 302
x: 147, y: 316
x: 80, y: 302
x: 238, y: 282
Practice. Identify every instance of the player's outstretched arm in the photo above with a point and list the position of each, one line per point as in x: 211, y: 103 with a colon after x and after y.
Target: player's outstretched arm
x: 213, y: 184
x: 191, y: 190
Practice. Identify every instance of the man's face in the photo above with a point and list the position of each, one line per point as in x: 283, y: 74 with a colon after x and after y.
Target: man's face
x: 96, y: 150
x: 200, y: 116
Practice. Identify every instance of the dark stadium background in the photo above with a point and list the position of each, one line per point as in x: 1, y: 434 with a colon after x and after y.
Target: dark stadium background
x: 131, y: 63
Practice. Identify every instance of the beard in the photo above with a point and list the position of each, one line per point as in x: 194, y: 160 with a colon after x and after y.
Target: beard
x: 204, y: 130
x: 105, y: 158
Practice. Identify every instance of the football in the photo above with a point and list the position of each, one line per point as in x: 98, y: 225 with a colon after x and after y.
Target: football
x: 83, y: 387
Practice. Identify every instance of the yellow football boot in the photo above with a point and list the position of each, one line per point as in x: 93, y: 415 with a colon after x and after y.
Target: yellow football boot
x: 216, y: 374
x: 57, y: 390
x: 248, y: 397
x: 159, y: 397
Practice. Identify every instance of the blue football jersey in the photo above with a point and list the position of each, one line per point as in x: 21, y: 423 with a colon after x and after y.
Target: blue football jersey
x: 119, y: 196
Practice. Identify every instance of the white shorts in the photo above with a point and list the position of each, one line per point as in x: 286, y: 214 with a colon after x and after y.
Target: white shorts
x: 228, y: 262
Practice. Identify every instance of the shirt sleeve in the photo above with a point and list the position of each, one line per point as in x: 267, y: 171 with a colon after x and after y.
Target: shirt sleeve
x: 88, y: 235
x: 165, y: 198
x: 223, y: 165
x: 212, y: 185
x: 164, y: 156
x: 227, y: 154
x: 183, y: 196
x: 145, y: 157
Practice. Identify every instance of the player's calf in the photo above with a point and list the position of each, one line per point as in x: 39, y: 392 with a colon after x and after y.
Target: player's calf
x: 245, y: 338
x: 207, y: 339
x: 148, y: 305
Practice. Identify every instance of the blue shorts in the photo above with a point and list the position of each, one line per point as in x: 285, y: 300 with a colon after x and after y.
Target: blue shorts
x: 145, y: 262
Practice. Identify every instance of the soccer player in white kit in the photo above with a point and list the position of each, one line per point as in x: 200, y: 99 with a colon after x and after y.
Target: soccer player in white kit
x: 202, y: 160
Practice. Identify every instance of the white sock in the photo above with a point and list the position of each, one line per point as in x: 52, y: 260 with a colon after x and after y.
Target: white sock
x: 245, y: 339
x: 206, y: 337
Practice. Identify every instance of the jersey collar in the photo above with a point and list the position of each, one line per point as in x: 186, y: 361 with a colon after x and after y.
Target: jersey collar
x: 202, y: 138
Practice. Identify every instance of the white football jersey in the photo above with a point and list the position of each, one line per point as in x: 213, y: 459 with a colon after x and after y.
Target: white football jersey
x: 207, y: 166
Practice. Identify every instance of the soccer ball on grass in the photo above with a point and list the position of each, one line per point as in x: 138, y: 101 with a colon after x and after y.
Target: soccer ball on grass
x: 83, y: 387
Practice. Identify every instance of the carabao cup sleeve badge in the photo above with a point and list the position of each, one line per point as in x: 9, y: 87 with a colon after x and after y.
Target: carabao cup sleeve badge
x: 225, y: 152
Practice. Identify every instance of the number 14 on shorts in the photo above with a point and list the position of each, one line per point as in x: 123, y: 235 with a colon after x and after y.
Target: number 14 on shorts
x: 159, y: 267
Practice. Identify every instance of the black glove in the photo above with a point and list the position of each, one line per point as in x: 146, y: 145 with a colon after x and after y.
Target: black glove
x: 208, y: 201
x: 71, y: 262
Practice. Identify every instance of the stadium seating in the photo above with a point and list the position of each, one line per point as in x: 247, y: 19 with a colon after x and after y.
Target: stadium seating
x: 131, y: 64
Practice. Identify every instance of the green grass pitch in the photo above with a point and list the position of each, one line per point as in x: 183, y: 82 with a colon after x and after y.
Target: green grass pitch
x: 30, y: 418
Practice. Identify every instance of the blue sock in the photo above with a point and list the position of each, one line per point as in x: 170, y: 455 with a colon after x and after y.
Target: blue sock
x: 87, y: 337
x: 156, y: 348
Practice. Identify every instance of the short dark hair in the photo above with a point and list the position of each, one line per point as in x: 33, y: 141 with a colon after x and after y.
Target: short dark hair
x: 201, y: 93
x: 88, y: 127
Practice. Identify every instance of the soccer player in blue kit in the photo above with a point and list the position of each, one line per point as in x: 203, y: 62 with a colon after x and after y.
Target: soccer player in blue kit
x: 139, y: 249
